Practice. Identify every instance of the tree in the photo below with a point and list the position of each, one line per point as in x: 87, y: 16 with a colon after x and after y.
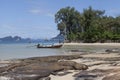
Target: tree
x: 89, y: 26
x: 71, y: 18
x: 91, y: 22
x: 61, y: 27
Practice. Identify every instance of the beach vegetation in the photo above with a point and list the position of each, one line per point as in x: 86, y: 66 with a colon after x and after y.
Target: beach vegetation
x: 88, y: 26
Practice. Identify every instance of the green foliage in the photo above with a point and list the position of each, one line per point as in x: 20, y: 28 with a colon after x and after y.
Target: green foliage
x: 61, y: 27
x: 89, y: 26
x: 72, y: 37
x: 71, y: 18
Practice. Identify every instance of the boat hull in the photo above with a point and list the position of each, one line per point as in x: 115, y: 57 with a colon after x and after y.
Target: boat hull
x: 52, y: 46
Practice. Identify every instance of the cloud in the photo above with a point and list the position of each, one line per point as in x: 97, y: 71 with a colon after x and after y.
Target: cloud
x: 35, y: 11
x: 50, y: 15
x: 113, y: 12
x: 41, y: 12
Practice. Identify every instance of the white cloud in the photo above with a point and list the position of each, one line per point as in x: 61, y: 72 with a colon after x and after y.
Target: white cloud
x: 50, y: 15
x: 113, y: 12
x: 41, y: 12
x: 35, y: 11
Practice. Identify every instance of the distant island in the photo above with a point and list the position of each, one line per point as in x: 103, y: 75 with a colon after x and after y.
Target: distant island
x: 18, y: 39
x: 15, y: 39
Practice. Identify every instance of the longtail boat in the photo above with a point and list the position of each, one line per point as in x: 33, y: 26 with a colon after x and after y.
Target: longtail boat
x: 50, y: 46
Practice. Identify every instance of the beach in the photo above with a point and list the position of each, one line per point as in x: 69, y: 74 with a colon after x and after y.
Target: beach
x: 100, y: 67
x: 96, y: 44
x: 75, y: 66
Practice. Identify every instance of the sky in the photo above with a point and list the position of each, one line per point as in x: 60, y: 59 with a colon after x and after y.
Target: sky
x: 35, y: 18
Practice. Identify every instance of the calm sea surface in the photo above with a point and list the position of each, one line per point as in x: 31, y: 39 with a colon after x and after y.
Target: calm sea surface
x: 15, y: 51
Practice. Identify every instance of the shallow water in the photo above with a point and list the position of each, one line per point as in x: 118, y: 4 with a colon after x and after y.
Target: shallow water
x: 15, y: 51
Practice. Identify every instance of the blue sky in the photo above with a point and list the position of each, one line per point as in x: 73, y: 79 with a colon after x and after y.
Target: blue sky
x: 35, y: 18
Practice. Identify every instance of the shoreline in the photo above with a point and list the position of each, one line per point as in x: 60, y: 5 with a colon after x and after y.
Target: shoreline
x: 102, y: 66
x: 64, y: 67
x: 94, y: 44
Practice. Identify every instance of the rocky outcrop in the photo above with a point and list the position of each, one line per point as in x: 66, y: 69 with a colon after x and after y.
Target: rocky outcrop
x: 50, y: 58
x: 102, y: 66
x: 40, y: 68
x: 112, y: 77
x: 72, y: 65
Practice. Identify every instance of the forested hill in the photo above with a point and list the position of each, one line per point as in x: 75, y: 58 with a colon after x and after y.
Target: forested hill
x: 90, y: 25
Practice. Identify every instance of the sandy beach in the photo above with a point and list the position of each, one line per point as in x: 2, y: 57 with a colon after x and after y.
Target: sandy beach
x: 96, y: 44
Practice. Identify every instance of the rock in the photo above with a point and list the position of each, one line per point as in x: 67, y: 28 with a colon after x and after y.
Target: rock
x: 50, y: 58
x: 62, y: 73
x: 85, y: 75
x: 112, y: 77
x: 27, y: 75
x: 40, y: 68
x: 73, y: 65
x: 34, y: 71
x: 116, y: 50
x: 68, y: 65
x: 80, y: 66
x: 45, y: 78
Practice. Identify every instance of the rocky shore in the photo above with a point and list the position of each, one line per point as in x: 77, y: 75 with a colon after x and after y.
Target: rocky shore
x: 89, y: 66
x: 39, y: 68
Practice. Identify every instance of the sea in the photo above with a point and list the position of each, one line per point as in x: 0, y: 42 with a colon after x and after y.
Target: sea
x: 27, y: 50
